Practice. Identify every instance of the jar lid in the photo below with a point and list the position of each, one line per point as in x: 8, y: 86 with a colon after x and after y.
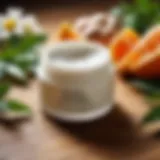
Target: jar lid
x: 75, y: 61
x: 76, y: 56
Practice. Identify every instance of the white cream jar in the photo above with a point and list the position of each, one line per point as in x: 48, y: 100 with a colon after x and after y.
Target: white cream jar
x: 76, y: 81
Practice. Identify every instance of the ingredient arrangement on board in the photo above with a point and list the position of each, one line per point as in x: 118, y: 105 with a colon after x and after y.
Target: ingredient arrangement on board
x: 134, y: 41
x: 20, y: 35
x: 131, y: 31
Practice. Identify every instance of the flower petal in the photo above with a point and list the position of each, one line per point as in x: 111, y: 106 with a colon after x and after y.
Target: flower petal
x: 31, y: 23
x: 15, y: 12
x: 4, y: 35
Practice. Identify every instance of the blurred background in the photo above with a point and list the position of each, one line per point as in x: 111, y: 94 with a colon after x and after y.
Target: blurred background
x: 41, y: 4
x: 119, y: 136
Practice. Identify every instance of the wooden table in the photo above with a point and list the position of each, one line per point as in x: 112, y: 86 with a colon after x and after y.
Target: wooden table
x: 118, y: 136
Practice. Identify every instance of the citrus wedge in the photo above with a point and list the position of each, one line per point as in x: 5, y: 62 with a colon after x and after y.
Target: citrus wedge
x: 145, y: 46
x: 66, y: 32
x: 122, y: 43
x: 148, y: 66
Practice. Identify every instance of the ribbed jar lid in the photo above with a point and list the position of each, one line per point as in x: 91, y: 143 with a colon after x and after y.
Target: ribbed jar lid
x: 76, y: 57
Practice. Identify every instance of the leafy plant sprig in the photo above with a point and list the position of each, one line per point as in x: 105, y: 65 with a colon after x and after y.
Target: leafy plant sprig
x: 151, y: 90
x: 17, y: 62
x: 20, y: 35
x: 139, y: 15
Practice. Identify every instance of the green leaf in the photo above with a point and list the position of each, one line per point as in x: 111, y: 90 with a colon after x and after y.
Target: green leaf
x: 137, y: 21
x: 14, y: 40
x: 3, y: 106
x: 143, y: 5
x: 16, y: 60
x: 130, y: 20
x: 153, y: 100
x: 156, y: 19
x: 25, y: 61
x: 15, y: 72
x: 153, y: 115
x: 26, y: 44
x: 140, y: 15
x: 13, y: 109
x: 18, y: 107
x: 149, y: 87
x: 4, y: 88
x: 2, y: 69
x: 151, y: 90
x: 117, y: 11
x: 122, y: 9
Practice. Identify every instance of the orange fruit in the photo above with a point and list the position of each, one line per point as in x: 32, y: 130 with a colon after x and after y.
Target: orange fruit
x: 122, y: 43
x: 66, y: 32
x: 145, y: 46
x: 148, y: 66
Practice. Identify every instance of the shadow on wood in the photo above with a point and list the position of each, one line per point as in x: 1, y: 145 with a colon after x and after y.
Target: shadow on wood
x: 14, y: 124
x: 115, y: 129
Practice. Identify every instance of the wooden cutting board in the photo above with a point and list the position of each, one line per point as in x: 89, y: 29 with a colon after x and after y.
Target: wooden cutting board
x: 117, y: 136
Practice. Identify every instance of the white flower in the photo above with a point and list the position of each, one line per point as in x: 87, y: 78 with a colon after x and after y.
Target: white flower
x: 29, y: 24
x: 15, y: 22
x: 15, y: 12
x: 9, y: 22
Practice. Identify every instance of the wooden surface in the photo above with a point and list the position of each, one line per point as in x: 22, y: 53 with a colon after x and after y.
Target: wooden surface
x: 118, y: 136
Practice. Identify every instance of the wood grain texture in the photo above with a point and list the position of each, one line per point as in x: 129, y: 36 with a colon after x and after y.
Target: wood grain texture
x: 118, y: 136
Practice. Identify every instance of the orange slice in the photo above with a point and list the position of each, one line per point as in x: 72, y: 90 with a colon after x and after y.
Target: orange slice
x: 122, y: 43
x: 66, y: 32
x: 148, y: 66
x: 145, y: 46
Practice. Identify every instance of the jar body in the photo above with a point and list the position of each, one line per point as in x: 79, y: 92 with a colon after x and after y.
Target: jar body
x: 80, y: 100
x: 76, y: 81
